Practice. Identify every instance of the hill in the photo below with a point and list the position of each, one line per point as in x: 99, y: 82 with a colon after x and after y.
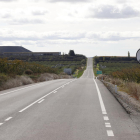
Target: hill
x: 13, y: 49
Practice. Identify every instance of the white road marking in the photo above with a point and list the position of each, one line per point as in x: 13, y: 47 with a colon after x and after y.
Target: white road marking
x: 106, y: 118
x: 88, y: 74
x: 8, y: 119
x: 104, y: 112
x: 107, y: 125
x: 42, y: 98
x: 100, y: 99
x: 110, y: 133
x: 1, y: 124
x: 41, y: 101
x: 54, y: 91
x: 24, y: 88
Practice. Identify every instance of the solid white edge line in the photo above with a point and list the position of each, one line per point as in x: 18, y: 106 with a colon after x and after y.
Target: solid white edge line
x: 42, y: 98
x: 110, y: 133
x: 41, y: 101
x: 8, y: 119
x: 100, y: 98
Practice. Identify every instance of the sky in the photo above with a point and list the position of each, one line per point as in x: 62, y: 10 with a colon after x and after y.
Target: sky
x: 89, y: 27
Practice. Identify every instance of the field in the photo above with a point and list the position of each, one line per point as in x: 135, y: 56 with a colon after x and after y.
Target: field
x: 60, y: 65
x: 125, y: 70
x: 124, y: 74
x: 108, y: 68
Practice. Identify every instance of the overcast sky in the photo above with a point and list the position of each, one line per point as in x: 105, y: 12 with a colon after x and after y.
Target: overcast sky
x: 89, y: 27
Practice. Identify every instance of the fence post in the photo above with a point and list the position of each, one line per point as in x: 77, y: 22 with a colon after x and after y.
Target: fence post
x: 116, y: 89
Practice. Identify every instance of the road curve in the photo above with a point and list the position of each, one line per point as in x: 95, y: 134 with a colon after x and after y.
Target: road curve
x: 66, y: 109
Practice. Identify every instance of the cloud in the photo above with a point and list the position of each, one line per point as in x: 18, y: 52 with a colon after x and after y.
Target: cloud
x: 71, y: 1
x: 66, y: 1
x: 113, y: 12
x: 7, y: 0
x: 26, y: 21
x: 113, y: 36
x: 39, y: 12
x: 6, y: 15
x: 61, y: 37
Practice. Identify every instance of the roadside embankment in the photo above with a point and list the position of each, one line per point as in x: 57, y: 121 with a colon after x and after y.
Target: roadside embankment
x: 30, y: 79
x: 130, y: 102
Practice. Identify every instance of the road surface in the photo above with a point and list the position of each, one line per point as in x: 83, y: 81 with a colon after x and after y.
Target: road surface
x: 65, y: 109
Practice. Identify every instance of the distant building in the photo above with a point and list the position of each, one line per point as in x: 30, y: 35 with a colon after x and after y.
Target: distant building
x: 31, y: 54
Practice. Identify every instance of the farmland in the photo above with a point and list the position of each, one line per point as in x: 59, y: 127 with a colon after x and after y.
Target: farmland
x: 108, y: 66
x: 60, y: 65
x: 124, y: 74
x: 16, y: 72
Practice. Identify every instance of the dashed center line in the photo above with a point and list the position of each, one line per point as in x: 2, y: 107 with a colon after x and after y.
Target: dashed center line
x: 1, y: 124
x: 106, y: 118
x: 110, y: 133
x: 43, y: 97
x: 41, y: 101
x: 8, y: 119
x: 107, y: 125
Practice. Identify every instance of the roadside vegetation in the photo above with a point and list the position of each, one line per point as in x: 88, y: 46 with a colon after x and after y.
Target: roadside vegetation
x: 124, y: 74
x: 79, y: 72
x: 14, y: 73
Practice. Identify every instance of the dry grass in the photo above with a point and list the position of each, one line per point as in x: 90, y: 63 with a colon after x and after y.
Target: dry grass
x: 50, y: 76
x: 131, y: 88
x: 47, y: 77
x: 16, y: 82
x: 25, y: 80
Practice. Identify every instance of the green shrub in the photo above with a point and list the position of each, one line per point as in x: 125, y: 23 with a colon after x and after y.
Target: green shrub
x: 28, y: 72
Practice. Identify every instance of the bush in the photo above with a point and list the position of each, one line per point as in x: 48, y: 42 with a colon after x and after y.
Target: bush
x: 16, y: 82
x: 28, y: 72
x: 133, y: 89
x: 3, y: 78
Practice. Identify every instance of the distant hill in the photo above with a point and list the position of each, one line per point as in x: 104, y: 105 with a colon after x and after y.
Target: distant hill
x: 4, y: 49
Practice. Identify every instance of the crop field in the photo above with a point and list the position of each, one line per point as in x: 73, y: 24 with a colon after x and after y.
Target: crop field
x: 18, y: 67
x: 125, y: 70
x: 108, y: 68
x: 60, y: 65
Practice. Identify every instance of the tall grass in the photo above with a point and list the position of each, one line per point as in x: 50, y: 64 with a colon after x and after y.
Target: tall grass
x: 129, y: 74
x: 131, y: 88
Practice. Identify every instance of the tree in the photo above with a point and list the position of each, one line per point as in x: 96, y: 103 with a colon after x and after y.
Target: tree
x: 71, y: 53
x: 103, y: 58
x: 128, y: 54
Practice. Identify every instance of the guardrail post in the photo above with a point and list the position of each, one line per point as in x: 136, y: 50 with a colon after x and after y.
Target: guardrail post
x: 116, y: 89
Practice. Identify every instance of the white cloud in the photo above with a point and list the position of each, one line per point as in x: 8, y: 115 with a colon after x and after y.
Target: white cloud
x: 39, y: 12
x: 66, y: 1
x: 7, y: 0
x: 71, y: 1
x: 21, y: 21
x: 113, y: 12
x: 67, y: 36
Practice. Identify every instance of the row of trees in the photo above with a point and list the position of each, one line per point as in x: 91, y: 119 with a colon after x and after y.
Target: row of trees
x: 18, y: 67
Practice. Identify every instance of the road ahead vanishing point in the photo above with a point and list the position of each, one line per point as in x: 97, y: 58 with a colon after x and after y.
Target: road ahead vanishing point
x: 70, y: 109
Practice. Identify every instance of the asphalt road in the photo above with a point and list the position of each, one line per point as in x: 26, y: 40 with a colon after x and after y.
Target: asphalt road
x: 72, y: 109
